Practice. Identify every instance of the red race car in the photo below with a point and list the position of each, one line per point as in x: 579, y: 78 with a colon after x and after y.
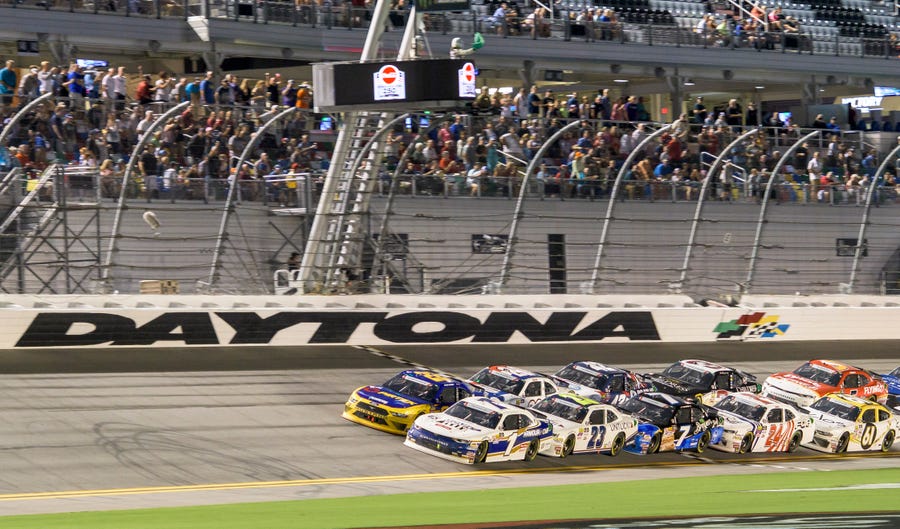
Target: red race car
x: 818, y: 378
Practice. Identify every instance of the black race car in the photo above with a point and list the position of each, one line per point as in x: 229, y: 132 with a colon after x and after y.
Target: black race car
x: 667, y: 423
x: 703, y: 380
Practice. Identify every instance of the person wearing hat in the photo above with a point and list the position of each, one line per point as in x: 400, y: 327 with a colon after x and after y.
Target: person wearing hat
x: 304, y: 96
x: 28, y: 86
x: 699, y: 112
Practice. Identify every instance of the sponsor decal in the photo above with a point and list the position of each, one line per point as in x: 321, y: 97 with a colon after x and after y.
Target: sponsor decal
x: 749, y: 326
x: 68, y: 329
x: 389, y: 83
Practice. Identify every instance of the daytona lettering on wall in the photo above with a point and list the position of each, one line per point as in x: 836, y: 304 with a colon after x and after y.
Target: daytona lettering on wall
x: 69, y: 329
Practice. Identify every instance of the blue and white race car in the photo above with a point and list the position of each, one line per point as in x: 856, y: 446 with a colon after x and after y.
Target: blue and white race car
x: 479, y: 430
x: 584, y: 426
x: 892, y: 380
x: 670, y: 423
x: 600, y: 382
x: 513, y: 385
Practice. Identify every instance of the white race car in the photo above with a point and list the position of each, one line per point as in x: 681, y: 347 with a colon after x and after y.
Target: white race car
x: 582, y: 425
x: 513, y: 385
x: 846, y: 423
x: 758, y: 424
x: 479, y: 430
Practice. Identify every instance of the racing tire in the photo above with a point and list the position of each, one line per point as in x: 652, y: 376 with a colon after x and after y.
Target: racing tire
x: 888, y: 441
x: 703, y: 442
x: 532, y: 450
x: 481, y: 452
x: 746, y: 444
x: 843, y: 443
x: 568, y: 447
x: 617, y: 445
x: 653, y: 447
x: 795, y: 443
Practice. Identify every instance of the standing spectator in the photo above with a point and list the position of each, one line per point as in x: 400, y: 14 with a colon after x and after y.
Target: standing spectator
x: 144, y: 91
x: 162, y: 93
x: 45, y: 78
x: 734, y: 114
x: 9, y: 81
x: 208, y: 89
x: 120, y: 87
x: 28, y: 86
x: 289, y: 94
x: 272, y: 88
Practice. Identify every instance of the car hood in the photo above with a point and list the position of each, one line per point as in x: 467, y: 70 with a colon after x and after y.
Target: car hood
x: 798, y: 384
x: 441, y: 424
x: 733, y: 421
x: 494, y: 393
x: 893, y: 384
x: 673, y: 386
x: 825, y: 421
x: 386, y: 397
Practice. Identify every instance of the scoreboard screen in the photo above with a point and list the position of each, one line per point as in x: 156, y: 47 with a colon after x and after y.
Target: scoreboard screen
x: 397, y: 85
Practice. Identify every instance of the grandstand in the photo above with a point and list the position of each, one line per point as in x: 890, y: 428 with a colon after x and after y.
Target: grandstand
x: 559, y: 224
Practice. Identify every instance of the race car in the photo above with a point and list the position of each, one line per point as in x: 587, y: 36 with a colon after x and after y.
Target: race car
x: 703, y: 380
x: 670, y: 423
x: 818, y: 378
x: 582, y: 425
x: 513, y: 385
x: 892, y: 381
x: 480, y: 430
x: 393, y: 406
x: 600, y: 382
x: 753, y: 423
x: 849, y: 423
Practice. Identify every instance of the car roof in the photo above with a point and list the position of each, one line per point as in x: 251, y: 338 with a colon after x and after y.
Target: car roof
x: 663, y: 398
x: 574, y: 399
x: 853, y: 400
x: 513, y: 372
x: 595, y: 366
x: 491, y: 405
x: 755, y: 399
x: 433, y: 377
x: 832, y: 365
x: 703, y: 365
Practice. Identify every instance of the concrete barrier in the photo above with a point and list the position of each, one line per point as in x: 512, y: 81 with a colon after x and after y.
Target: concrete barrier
x: 33, y: 321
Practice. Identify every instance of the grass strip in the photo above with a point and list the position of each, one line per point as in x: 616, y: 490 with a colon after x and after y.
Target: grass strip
x: 712, y: 495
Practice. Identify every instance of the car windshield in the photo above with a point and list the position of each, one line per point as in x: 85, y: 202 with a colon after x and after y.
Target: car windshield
x: 754, y: 412
x: 836, y: 408
x: 689, y: 375
x: 413, y: 387
x: 895, y: 373
x: 583, y: 377
x: 496, y: 380
x: 462, y: 410
x: 655, y: 412
x: 818, y: 374
x: 562, y: 408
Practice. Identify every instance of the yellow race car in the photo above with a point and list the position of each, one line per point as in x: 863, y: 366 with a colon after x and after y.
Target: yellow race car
x: 846, y: 423
x: 393, y: 406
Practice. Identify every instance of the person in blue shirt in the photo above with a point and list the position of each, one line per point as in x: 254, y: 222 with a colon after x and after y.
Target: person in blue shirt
x: 208, y: 89
x: 663, y: 170
x: 9, y: 80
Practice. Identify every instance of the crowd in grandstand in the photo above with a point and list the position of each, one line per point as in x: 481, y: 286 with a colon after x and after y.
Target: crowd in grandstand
x: 95, y: 119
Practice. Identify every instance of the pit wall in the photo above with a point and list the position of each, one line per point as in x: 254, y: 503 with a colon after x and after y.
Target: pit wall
x: 240, y: 321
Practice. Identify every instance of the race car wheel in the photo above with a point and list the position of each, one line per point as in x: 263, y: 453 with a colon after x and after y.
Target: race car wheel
x: 703, y: 442
x: 617, y: 445
x: 568, y: 446
x: 843, y: 443
x: 888, y: 441
x: 795, y: 442
x: 532, y: 451
x: 481, y: 452
x: 653, y: 447
x: 746, y: 444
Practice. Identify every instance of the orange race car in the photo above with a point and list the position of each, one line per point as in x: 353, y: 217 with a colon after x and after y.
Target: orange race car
x: 818, y: 378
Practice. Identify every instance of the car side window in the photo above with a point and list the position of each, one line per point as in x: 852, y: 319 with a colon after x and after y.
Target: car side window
x: 549, y: 389
x: 611, y: 417
x: 789, y: 415
x: 463, y: 393
x: 683, y: 415
x: 597, y: 417
x: 448, y: 395
x: 851, y: 381
x: 511, y: 422
x: 883, y: 415
x: 617, y: 383
x: 723, y: 380
x: 868, y: 415
x: 533, y: 389
x: 863, y: 379
x: 774, y: 416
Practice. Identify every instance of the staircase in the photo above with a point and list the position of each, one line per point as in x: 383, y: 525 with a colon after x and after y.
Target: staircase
x: 339, y: 232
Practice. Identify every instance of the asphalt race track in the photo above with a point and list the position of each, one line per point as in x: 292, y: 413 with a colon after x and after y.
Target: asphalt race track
x: 113, y: 429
